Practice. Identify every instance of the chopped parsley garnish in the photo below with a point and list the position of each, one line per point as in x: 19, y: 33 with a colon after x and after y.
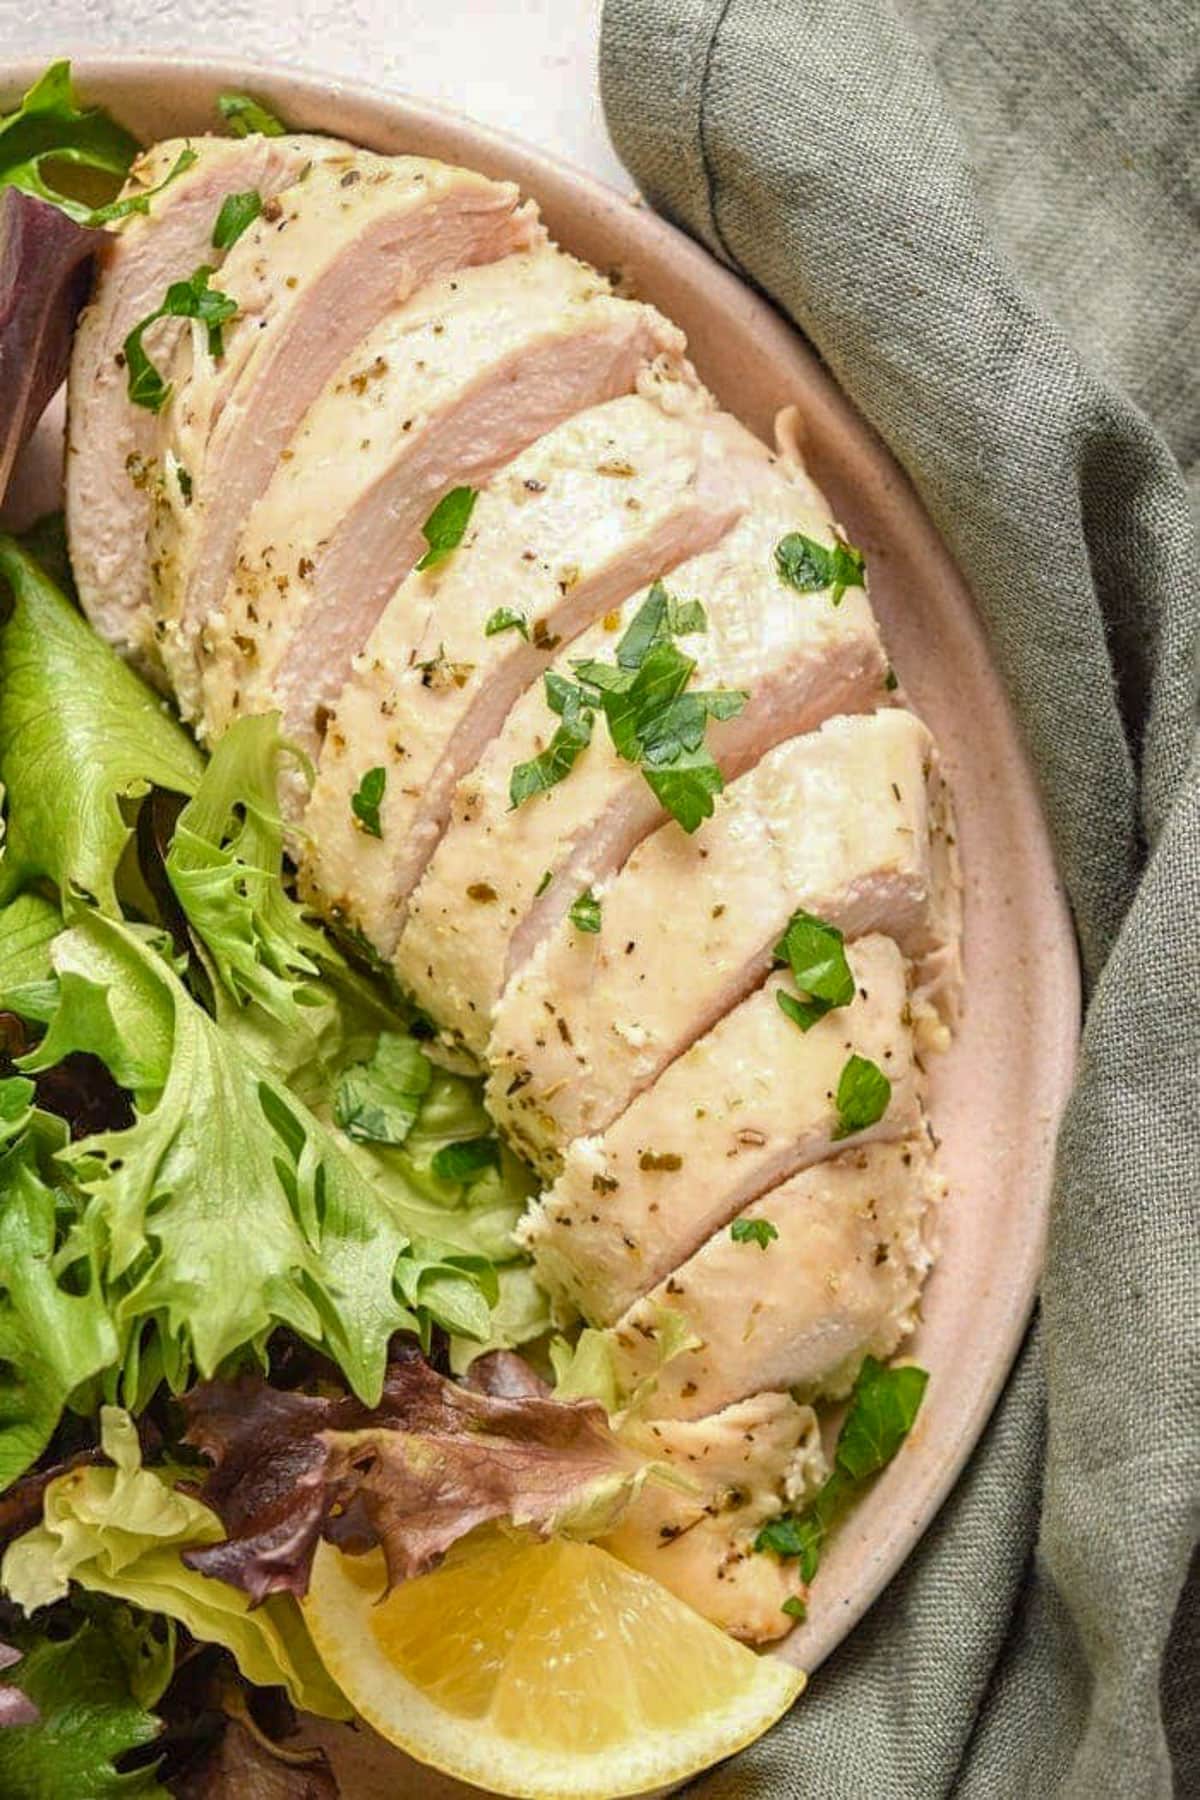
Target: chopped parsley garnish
x: 379, y: 1102
x: 366, y: 801
x: 794, y: 1607
x: 585, y: 912
x: 238, y: 212
x: 505, y: 619
x: 190, y: 299
x: 809, y: 566
x: 753, y: 1231
x: 543, y: 884
x: 446, y: 525
x: 465, y: 1160
x: 248, y: 117
x: 862, y: 1096
x: 652, y: 721
x: 883, y: 1407
x: 815, y: 953
x: 570, y: 740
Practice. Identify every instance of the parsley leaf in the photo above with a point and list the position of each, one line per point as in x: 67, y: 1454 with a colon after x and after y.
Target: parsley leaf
x: 886, y: 1402
x: 190, y: 299
x: 863, y: 1094
x: 238, y: 212
x: 585, y: 912
x: 505, y: 619
x: 248, y: 117
x: 379, y: 1102
x: 464, y: 1160
x: 543, y: 884
x: 651, y: 720
x: 815, y: 953
x: 366, y: 800
x: 809, y: 566
x: 569, y: 742
x: 882, y: 1409
x: 446, y: 525
x: 795, y: 1608
x: 753, y: 1231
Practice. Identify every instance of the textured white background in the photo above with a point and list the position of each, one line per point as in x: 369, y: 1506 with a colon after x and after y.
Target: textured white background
x: 528, y: 66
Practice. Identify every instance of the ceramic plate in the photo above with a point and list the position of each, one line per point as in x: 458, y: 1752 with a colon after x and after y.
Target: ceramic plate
x: 996, y: 1097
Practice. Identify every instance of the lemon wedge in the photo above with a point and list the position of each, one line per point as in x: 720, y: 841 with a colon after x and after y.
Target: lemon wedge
x: 547, y: 1671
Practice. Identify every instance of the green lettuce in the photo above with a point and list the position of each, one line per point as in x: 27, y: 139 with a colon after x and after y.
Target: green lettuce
x: 92, y: 1710
x: 279, y: 984
x: 118, y: 1530
x: 28, y: 926
x: 81, y: 742
x: 227, y: 1208
x: 55, y: 1329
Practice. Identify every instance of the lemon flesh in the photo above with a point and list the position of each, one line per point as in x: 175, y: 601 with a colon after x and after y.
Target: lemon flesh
x: 544, y: 1671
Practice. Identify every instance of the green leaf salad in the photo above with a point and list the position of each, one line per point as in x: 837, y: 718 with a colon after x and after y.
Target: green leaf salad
x: 222, y: 1142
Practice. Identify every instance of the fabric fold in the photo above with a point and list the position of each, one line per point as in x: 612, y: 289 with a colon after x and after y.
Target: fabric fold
x: 815, y: 147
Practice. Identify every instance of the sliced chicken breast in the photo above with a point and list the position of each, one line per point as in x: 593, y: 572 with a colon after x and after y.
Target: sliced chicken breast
x: 743, y: 1466
x: 840, y: 824
x: 310, y: 279
x: 797, y: 658
x: 111, y: 464
x: 746, y: 1107
x: 584, y: 517
x: 836, y: 1276
x: 446, y: 390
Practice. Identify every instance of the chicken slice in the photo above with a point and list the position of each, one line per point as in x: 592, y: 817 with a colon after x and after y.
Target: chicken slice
x: 313, y: 275
x: 743, y: 1466
x: 750, y: 1104
x: 838, y: 1280
x: 111, y: 464
x: 798, y: 659
x: 446, y: 390
x: 581, y: 519
x: 846, y: 823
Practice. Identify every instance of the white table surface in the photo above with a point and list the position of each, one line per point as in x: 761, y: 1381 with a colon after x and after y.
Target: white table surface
x: 527, y: 66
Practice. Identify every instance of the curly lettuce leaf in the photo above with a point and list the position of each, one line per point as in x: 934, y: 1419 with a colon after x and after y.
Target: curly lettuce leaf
x: 227, y: 1208
x: 432, y: 1462
x: 28, y: 926
x: 54, y: 1337
x: 119, y: 1530
x: 82, y: 739
x: 279, y: 983
x: 90, y: 1714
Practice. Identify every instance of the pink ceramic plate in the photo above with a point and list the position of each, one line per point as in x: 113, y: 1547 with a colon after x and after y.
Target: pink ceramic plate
x: 998, y: 1094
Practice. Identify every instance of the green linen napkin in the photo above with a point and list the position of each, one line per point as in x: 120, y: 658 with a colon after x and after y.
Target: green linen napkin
x: 983, y: 215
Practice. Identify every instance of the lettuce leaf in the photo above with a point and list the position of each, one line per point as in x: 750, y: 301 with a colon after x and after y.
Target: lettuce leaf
x: 45, y: 272
x: 432, y: 1462
x: 53, y: 1337
x: 28, y: 926
x: 227, y: 1208
x: 279, y: 983
x: 81, y: 741
x: 119, y: 1530
x: 90, y: 1714
x: 50, y: 126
